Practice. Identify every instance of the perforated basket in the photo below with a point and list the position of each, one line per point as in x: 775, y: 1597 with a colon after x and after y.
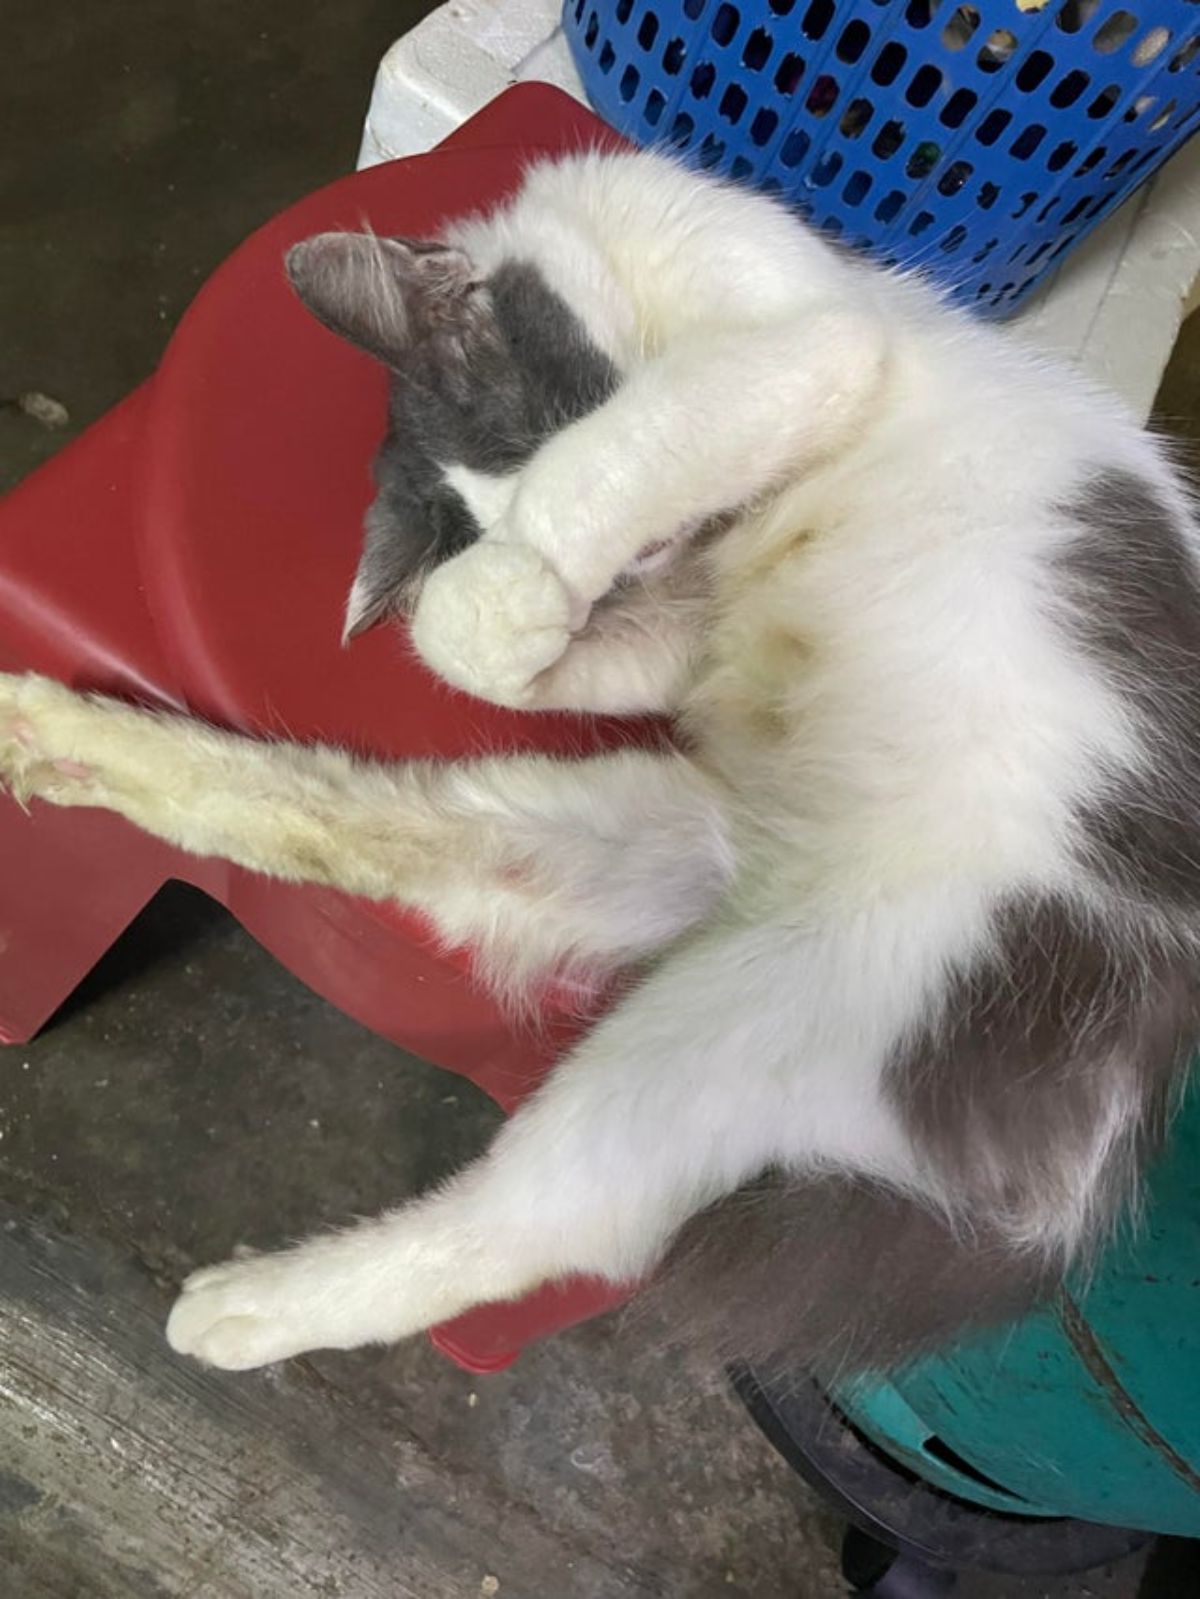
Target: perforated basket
x: 980, y: 141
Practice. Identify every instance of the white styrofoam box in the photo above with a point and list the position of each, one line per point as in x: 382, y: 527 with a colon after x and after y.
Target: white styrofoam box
x: 1114, y: 307
x: 451, y: 64
x: 1116, y: 304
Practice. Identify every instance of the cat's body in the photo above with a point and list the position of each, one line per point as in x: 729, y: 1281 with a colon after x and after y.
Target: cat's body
x: 917, y: 897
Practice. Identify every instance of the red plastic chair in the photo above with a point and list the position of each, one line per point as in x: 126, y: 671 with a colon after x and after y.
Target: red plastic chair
x: 194, y: 548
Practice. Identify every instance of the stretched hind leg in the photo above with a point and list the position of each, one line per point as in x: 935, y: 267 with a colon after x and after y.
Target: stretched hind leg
x: 718, y: 1065
x: 540, y: 864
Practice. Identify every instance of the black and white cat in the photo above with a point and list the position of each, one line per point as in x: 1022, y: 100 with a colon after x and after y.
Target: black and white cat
x: 913, y: 907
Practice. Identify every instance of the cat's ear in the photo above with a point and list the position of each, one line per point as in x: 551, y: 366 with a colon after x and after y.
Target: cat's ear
x: 401, y: 544
x: 384, y: 295
x: 373, y: 596
x: 391, y: 558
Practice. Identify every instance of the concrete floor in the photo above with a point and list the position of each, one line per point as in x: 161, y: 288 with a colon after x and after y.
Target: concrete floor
x: 193, y: 1095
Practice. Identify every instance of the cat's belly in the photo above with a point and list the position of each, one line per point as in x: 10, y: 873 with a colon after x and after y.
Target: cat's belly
x: 839, y: 797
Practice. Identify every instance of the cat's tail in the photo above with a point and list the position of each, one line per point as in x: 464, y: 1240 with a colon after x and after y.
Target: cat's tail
x: 835, y: 1275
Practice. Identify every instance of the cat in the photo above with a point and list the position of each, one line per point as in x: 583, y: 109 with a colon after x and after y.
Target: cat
x: 907, y: 915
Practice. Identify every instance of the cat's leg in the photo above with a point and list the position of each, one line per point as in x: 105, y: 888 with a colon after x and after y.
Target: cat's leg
x: 709, y: 426
x: 540, y: 864
x: 701, y: 1079
x: 718, y: 419
x: 636, y: 656
x: 504, y: 634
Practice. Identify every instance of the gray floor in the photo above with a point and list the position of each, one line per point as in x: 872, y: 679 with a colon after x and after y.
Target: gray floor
x: 193, y: 1096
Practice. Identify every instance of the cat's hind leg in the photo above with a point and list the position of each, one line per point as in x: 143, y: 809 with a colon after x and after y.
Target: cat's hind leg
x: 714, y: 1068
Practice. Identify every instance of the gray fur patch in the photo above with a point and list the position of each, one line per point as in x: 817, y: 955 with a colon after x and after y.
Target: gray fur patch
x: 1134, y: 591
x: 483, y: 373
x: 835, y: 1275
x: 1048, y: 1069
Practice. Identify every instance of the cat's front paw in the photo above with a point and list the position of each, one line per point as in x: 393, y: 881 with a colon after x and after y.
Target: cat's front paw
x: 36, y: 744
x: 491, y: 620
x: 250, y: 1312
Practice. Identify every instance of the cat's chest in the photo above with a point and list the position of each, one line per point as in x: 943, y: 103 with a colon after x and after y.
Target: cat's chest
x: 757, y: 654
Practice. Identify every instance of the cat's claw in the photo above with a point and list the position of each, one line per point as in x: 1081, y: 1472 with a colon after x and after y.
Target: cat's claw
x: 36, y: 756
x: 491, y: 620
x: 248, y: 1312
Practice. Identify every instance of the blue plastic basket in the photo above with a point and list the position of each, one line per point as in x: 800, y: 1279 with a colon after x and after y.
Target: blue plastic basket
x: 979, y: 141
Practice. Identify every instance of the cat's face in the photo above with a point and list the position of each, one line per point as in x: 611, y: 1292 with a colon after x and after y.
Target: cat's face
x: 483, y: 369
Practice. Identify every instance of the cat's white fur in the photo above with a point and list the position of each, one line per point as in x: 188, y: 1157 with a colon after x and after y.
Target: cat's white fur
x: 886, y: 733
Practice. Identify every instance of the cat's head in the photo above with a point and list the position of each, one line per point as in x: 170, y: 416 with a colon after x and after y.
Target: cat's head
x: 483, y: 370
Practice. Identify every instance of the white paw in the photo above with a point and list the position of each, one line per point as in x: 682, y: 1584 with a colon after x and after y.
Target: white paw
x: 37, y: 721
x: 492, y: 619
x: 248, y: 1312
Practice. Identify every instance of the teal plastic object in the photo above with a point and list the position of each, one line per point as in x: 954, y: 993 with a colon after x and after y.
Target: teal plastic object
x: 1088, y: 1409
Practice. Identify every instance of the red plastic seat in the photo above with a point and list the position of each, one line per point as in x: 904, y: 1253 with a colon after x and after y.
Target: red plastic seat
x: 194, y: 548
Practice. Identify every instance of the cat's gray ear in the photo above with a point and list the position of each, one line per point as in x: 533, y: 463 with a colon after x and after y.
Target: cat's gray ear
x: 404, y: 538
x: 372, y: 597
x: 384, y: 295
x: 388, y: 563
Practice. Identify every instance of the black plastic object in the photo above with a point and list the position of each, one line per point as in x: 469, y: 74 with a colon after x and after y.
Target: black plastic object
x: 875, y: 1571
x: 932, y: 1533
